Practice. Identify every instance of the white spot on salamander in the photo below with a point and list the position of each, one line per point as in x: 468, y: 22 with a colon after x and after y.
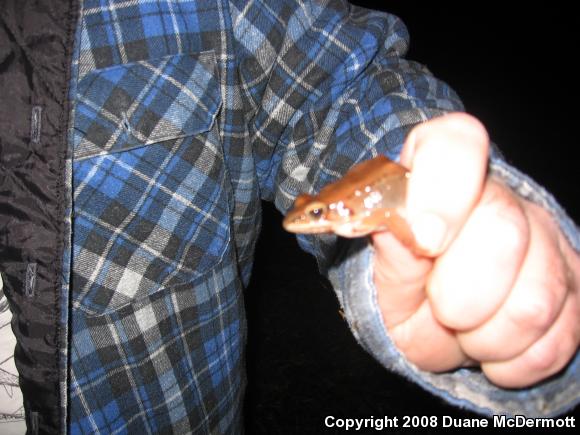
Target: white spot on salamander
x: 373, y: 199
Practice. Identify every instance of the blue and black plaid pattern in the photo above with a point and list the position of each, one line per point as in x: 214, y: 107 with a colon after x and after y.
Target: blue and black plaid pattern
x: 186, y: 113
x: 130, y: 106
x: 170, y: 362
x: 149, y: 181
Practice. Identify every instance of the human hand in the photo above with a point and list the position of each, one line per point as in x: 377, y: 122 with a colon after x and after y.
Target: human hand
x: 500, y: 286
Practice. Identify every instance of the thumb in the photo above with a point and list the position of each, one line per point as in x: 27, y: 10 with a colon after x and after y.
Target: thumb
x: 447, y: 157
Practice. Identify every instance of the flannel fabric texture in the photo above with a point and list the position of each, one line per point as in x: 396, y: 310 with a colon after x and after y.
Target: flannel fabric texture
x: 185, y: 115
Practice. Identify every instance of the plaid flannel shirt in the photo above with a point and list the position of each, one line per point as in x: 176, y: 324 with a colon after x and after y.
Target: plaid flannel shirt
x: 185, y: 114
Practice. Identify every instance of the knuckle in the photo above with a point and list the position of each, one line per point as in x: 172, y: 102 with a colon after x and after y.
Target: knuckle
x: 444, y: 306
x: 536, y: 311
x: 541, y: 358
x: 553, y: 351
x: 505, y: 217
x: 507, y: 209
x: 540, y: 304
x: 556, y: 276
x: 512, y: 230
x: 548, y: 356
x: 448, y: 314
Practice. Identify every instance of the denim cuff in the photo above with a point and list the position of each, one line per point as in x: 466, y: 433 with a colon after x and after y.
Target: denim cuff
x: 466, y: 388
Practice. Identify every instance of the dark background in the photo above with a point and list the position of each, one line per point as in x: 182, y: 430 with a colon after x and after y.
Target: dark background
x: 513, y: 70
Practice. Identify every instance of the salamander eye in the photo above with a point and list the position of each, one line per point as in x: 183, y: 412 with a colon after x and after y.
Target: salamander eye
x: 316, y: 211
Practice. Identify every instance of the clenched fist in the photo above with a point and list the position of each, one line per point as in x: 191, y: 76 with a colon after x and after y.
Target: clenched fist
x: 500, y: 286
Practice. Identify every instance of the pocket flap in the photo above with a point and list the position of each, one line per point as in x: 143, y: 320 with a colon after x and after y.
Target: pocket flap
x: 144, y: 102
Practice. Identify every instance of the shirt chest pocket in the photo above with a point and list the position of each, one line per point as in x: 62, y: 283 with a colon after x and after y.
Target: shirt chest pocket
x: 150, y: 201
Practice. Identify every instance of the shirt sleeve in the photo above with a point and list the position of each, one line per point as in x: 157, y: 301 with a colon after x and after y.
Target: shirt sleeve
x: 326, y: 85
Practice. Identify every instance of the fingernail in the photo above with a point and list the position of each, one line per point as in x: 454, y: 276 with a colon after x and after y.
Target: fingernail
x: 430, y: 231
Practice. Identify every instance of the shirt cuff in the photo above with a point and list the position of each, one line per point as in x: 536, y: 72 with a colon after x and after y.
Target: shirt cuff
x: 467, y: 388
